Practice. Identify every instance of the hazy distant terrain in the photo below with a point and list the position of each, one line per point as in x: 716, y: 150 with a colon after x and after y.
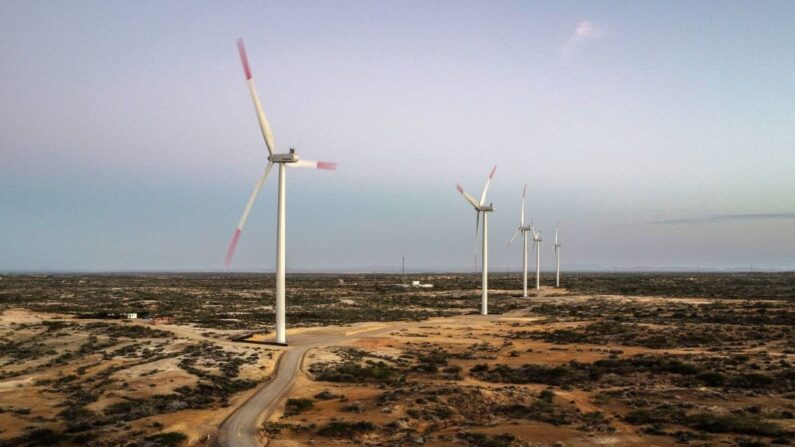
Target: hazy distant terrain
x: 244, y: 301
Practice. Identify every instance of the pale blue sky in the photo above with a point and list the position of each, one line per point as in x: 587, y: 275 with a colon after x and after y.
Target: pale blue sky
x: 128, y: 140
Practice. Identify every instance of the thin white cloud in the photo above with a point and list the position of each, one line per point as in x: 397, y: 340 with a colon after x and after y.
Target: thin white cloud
x: 584, y: 32
x: 726, y: 218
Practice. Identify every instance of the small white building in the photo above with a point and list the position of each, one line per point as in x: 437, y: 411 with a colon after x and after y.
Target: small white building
x: 129, y: 316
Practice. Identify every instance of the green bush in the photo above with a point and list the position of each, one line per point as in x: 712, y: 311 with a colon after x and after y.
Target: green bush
x: 167, y: 439
x: 354, y: 373
x: 483, y: 440
x: 341, y: 429
x: 325, y: 395
x: 712, y: 378
x: 297, y: 406
x: 752, y: 380
x: 733, y: 423
x: 42, y: 437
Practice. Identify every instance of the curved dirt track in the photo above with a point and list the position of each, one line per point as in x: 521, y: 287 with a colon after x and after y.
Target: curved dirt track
x: 240, y: 429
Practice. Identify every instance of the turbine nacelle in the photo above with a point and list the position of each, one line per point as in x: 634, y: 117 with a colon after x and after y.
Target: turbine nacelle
x: 292, y: 160
x: 290, y: 157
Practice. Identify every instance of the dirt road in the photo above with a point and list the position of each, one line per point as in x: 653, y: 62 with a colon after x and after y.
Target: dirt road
x: 240, y: 429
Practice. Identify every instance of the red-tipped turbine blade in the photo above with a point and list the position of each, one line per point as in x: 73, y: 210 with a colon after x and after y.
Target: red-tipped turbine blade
x: 310, y: 164
x: 466, y: 195
x: 486, y: 188
x: 244, y: 58
x: 242, y: 223
x: 230, y: 252
x: 265, y: 127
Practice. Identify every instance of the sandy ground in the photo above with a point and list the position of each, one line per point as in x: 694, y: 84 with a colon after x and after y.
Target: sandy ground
x: 141, y: 381
x: 454, y: 334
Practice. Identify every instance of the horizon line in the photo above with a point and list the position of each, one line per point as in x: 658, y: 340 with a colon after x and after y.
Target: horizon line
x: 746, y: 269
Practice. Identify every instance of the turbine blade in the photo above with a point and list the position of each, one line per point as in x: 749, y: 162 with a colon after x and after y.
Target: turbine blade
x: 486, y: 188
x: 263, y: 120
x: 524, y: 193
x: 309, y: 164
x: 514, y: 237
x: 230, y: 252
x: 466, y: 195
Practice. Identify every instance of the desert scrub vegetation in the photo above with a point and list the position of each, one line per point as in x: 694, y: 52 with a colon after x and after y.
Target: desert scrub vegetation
x: 707, y: 285
x: 357, y: 366
x: 679, y: 336
x: 449, y: 406
x: 350, y: 372
x: 729, y: 312
x: 165, y: 439
x: 45, y: 345
x: 657, y: 418
x: 474, y: 439
x: 343, y: 429
x: 36, y: 437
x: 242, y: 301
x: 297, y: 406
x: 85, y: 363
x: 685, y: 372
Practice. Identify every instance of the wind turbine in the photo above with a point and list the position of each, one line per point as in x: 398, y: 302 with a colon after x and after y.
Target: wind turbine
x: 480, y: 207
x: 557, y: 258
x: 523, y: 229
x: 290, y: 159
x: 537, y: 244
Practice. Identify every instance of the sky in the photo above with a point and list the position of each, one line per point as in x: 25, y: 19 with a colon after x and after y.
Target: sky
x: 657, y: 135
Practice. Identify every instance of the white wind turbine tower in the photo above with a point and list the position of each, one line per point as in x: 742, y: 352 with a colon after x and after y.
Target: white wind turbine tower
x: 480, y: 207
x: 523, y: 229
x: 290, y: 159
x: 537, y: 244
x: 557, y: 258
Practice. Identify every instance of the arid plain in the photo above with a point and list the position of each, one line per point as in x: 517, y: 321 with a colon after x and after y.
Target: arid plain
x: 612, y: 359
